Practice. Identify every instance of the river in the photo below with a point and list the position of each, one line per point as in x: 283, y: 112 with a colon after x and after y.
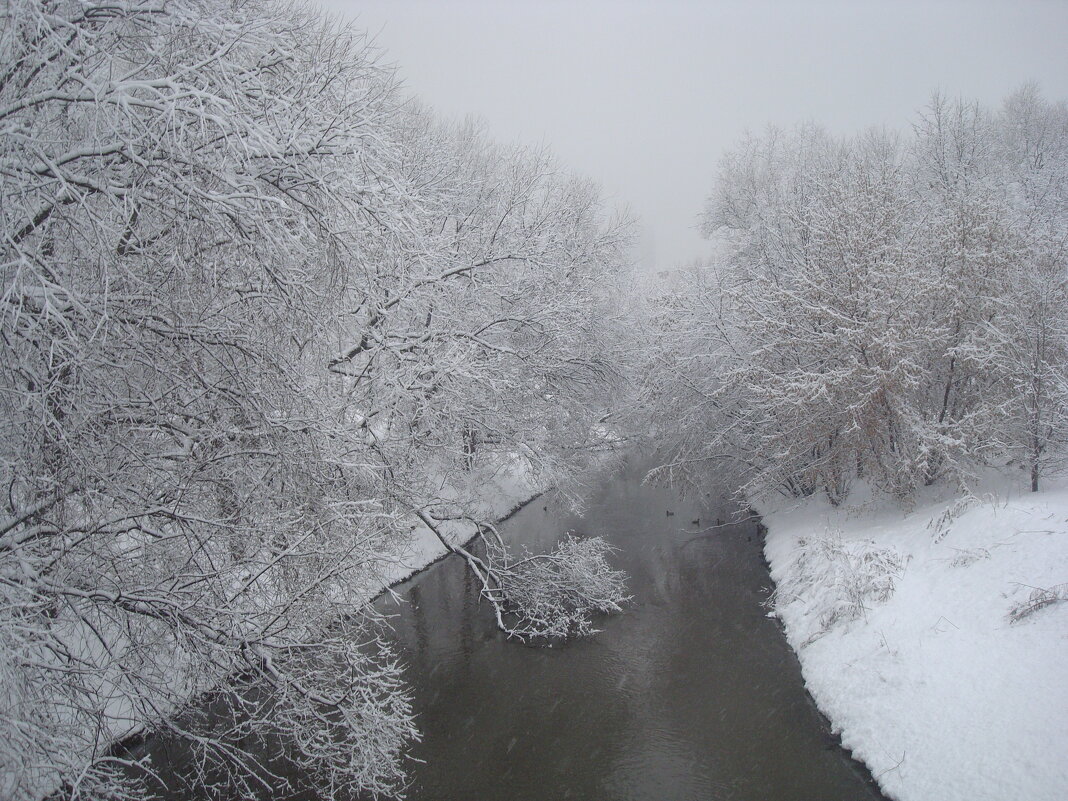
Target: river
x: 691, y: 693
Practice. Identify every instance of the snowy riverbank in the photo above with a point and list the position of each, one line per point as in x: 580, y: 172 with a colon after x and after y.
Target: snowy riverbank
x: 935, y: 638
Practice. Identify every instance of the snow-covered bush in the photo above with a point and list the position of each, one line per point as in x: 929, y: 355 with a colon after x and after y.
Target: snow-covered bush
x: 941, y: 525
x: 837, y: 580
x: 968, y: 556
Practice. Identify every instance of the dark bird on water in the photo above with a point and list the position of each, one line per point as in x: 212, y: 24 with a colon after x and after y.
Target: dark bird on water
x: 670, y: 513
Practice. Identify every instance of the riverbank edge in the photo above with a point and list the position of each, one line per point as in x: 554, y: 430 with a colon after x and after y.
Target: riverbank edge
x: 964, y: 558
x: 834, y: 738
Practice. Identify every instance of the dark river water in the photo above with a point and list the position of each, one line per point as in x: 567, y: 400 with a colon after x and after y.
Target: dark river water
x: 691, y: 693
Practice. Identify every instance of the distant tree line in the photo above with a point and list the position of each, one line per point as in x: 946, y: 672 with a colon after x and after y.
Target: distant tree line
x: 261, y: 313
x: 882, y: 306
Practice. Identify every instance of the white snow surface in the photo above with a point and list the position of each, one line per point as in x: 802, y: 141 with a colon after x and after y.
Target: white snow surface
x: 935, y: 687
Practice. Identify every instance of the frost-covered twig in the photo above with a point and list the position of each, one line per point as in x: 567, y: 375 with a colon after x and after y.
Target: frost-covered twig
x: 545, y: 596
x: 1040, y: 598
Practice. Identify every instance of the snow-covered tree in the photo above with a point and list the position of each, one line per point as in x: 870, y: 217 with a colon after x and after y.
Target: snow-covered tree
x: 1032, y: 333
x: 884, y: 307
x: 253, y: 301
x: 487, y: 338
x: 815, y: 332
x: 488, y: 342
x: 180, y: 508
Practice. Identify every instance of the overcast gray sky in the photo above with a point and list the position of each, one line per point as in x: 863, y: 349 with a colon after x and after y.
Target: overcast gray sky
x: 646, y: 96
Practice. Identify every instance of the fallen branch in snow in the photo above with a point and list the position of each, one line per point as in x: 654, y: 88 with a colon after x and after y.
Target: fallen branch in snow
x: 1040, y: 598
x: 892, y: 767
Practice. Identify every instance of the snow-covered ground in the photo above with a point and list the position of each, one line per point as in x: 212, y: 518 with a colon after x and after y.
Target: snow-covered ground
x: 935, y: 638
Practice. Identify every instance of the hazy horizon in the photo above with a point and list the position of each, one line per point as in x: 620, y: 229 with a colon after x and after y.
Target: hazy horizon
x: 646, y: 97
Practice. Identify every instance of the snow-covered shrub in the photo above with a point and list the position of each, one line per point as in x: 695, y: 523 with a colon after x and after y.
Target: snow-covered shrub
x: 968, y: 556
x: 838, y: 580
x: 941, y: 525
